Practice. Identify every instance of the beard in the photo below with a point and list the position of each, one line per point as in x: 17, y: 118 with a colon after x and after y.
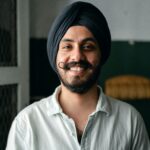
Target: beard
x: 82, y: 86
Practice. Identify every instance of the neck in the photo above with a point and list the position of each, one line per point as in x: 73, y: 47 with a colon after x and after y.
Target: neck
x: 75, y: 102
x: 79, y: 106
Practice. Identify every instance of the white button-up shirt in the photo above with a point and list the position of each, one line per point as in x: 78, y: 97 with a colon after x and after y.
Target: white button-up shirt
x: 114, y: 125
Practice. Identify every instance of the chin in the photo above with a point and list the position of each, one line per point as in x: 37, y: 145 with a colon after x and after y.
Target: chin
x: 80, y: 89
x: 78, y: 86
x: 81, y: 85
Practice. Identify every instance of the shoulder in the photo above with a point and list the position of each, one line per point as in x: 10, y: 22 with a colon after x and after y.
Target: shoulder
x: 42, y: 106
x: 38, y: 111
x: 34, y: 110
x: 124, y: 110
x: 127, y: 116
x: 118, y: 104
x: 30, y: 116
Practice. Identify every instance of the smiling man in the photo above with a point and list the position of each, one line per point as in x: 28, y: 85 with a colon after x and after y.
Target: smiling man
x: 78, y: 59
x: 78, y: 116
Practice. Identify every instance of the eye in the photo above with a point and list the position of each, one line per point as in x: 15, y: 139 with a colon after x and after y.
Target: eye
x: 65, y: 47
x: 88, y: 47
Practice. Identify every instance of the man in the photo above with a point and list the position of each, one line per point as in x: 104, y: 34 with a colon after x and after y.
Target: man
x: 78, y: 116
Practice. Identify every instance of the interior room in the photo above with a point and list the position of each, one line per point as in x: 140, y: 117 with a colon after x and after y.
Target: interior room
x: 25, y: 72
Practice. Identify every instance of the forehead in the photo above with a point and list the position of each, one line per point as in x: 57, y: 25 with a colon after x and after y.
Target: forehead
x: 78, y: 33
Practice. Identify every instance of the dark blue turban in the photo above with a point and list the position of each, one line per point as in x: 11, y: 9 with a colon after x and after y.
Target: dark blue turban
x: 79, y: 13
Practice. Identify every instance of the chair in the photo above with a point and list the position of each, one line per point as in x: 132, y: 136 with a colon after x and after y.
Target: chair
x: 128, y: 87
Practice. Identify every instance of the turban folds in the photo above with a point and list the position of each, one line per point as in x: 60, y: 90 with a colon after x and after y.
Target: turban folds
x: 79, y: 13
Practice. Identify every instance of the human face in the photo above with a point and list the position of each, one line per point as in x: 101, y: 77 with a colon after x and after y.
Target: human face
x: 78, y: 45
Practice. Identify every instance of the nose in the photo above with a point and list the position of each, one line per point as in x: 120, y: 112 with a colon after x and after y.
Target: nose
x: 77, y: 54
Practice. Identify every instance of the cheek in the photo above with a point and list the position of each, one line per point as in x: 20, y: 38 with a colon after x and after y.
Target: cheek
x: 61, y: 58
x: 94, y: 59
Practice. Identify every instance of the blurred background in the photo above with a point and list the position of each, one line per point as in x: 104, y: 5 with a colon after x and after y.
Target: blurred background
x: 25, y: 73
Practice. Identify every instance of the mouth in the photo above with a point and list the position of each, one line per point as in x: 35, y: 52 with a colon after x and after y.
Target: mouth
x: 77, y: 71
x: 75, y: 66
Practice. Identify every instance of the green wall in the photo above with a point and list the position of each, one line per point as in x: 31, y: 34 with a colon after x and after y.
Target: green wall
x: 127, y: 58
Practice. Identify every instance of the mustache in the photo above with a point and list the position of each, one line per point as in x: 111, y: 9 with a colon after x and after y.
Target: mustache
x: 82, y: 63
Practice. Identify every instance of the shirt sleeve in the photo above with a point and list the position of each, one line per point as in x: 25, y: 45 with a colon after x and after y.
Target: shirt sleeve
x: 15, y: 138
x: 140, y: 139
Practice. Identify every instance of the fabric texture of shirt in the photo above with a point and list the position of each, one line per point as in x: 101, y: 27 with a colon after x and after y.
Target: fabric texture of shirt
x: 114, y: 125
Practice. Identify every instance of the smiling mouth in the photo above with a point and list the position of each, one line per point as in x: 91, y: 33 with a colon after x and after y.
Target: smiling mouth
x: 77, y: 69
x: 75, y: 66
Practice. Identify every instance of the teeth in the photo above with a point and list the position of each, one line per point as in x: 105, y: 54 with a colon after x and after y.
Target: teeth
x: 76, y: 69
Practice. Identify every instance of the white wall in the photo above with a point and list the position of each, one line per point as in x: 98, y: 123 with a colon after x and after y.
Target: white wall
x: 128, y: 19
x: 42, y: 13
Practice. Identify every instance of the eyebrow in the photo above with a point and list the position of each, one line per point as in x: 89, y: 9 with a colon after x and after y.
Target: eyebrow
x: 84, y: 40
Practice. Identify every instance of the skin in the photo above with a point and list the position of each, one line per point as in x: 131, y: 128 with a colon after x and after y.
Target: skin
x: 78, y: 44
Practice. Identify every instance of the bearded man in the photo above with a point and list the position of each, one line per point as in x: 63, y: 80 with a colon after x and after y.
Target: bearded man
x: 78, y: 116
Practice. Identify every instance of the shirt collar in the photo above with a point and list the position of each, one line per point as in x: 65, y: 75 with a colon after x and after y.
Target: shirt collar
x: 103, y: 104
x: 54, y: 106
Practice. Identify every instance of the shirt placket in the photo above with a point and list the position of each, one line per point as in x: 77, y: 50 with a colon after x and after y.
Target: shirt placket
x: 70, y: 125
x: 85, y: 141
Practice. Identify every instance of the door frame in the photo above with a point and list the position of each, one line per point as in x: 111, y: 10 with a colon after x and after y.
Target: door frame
x: 20, y: 74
